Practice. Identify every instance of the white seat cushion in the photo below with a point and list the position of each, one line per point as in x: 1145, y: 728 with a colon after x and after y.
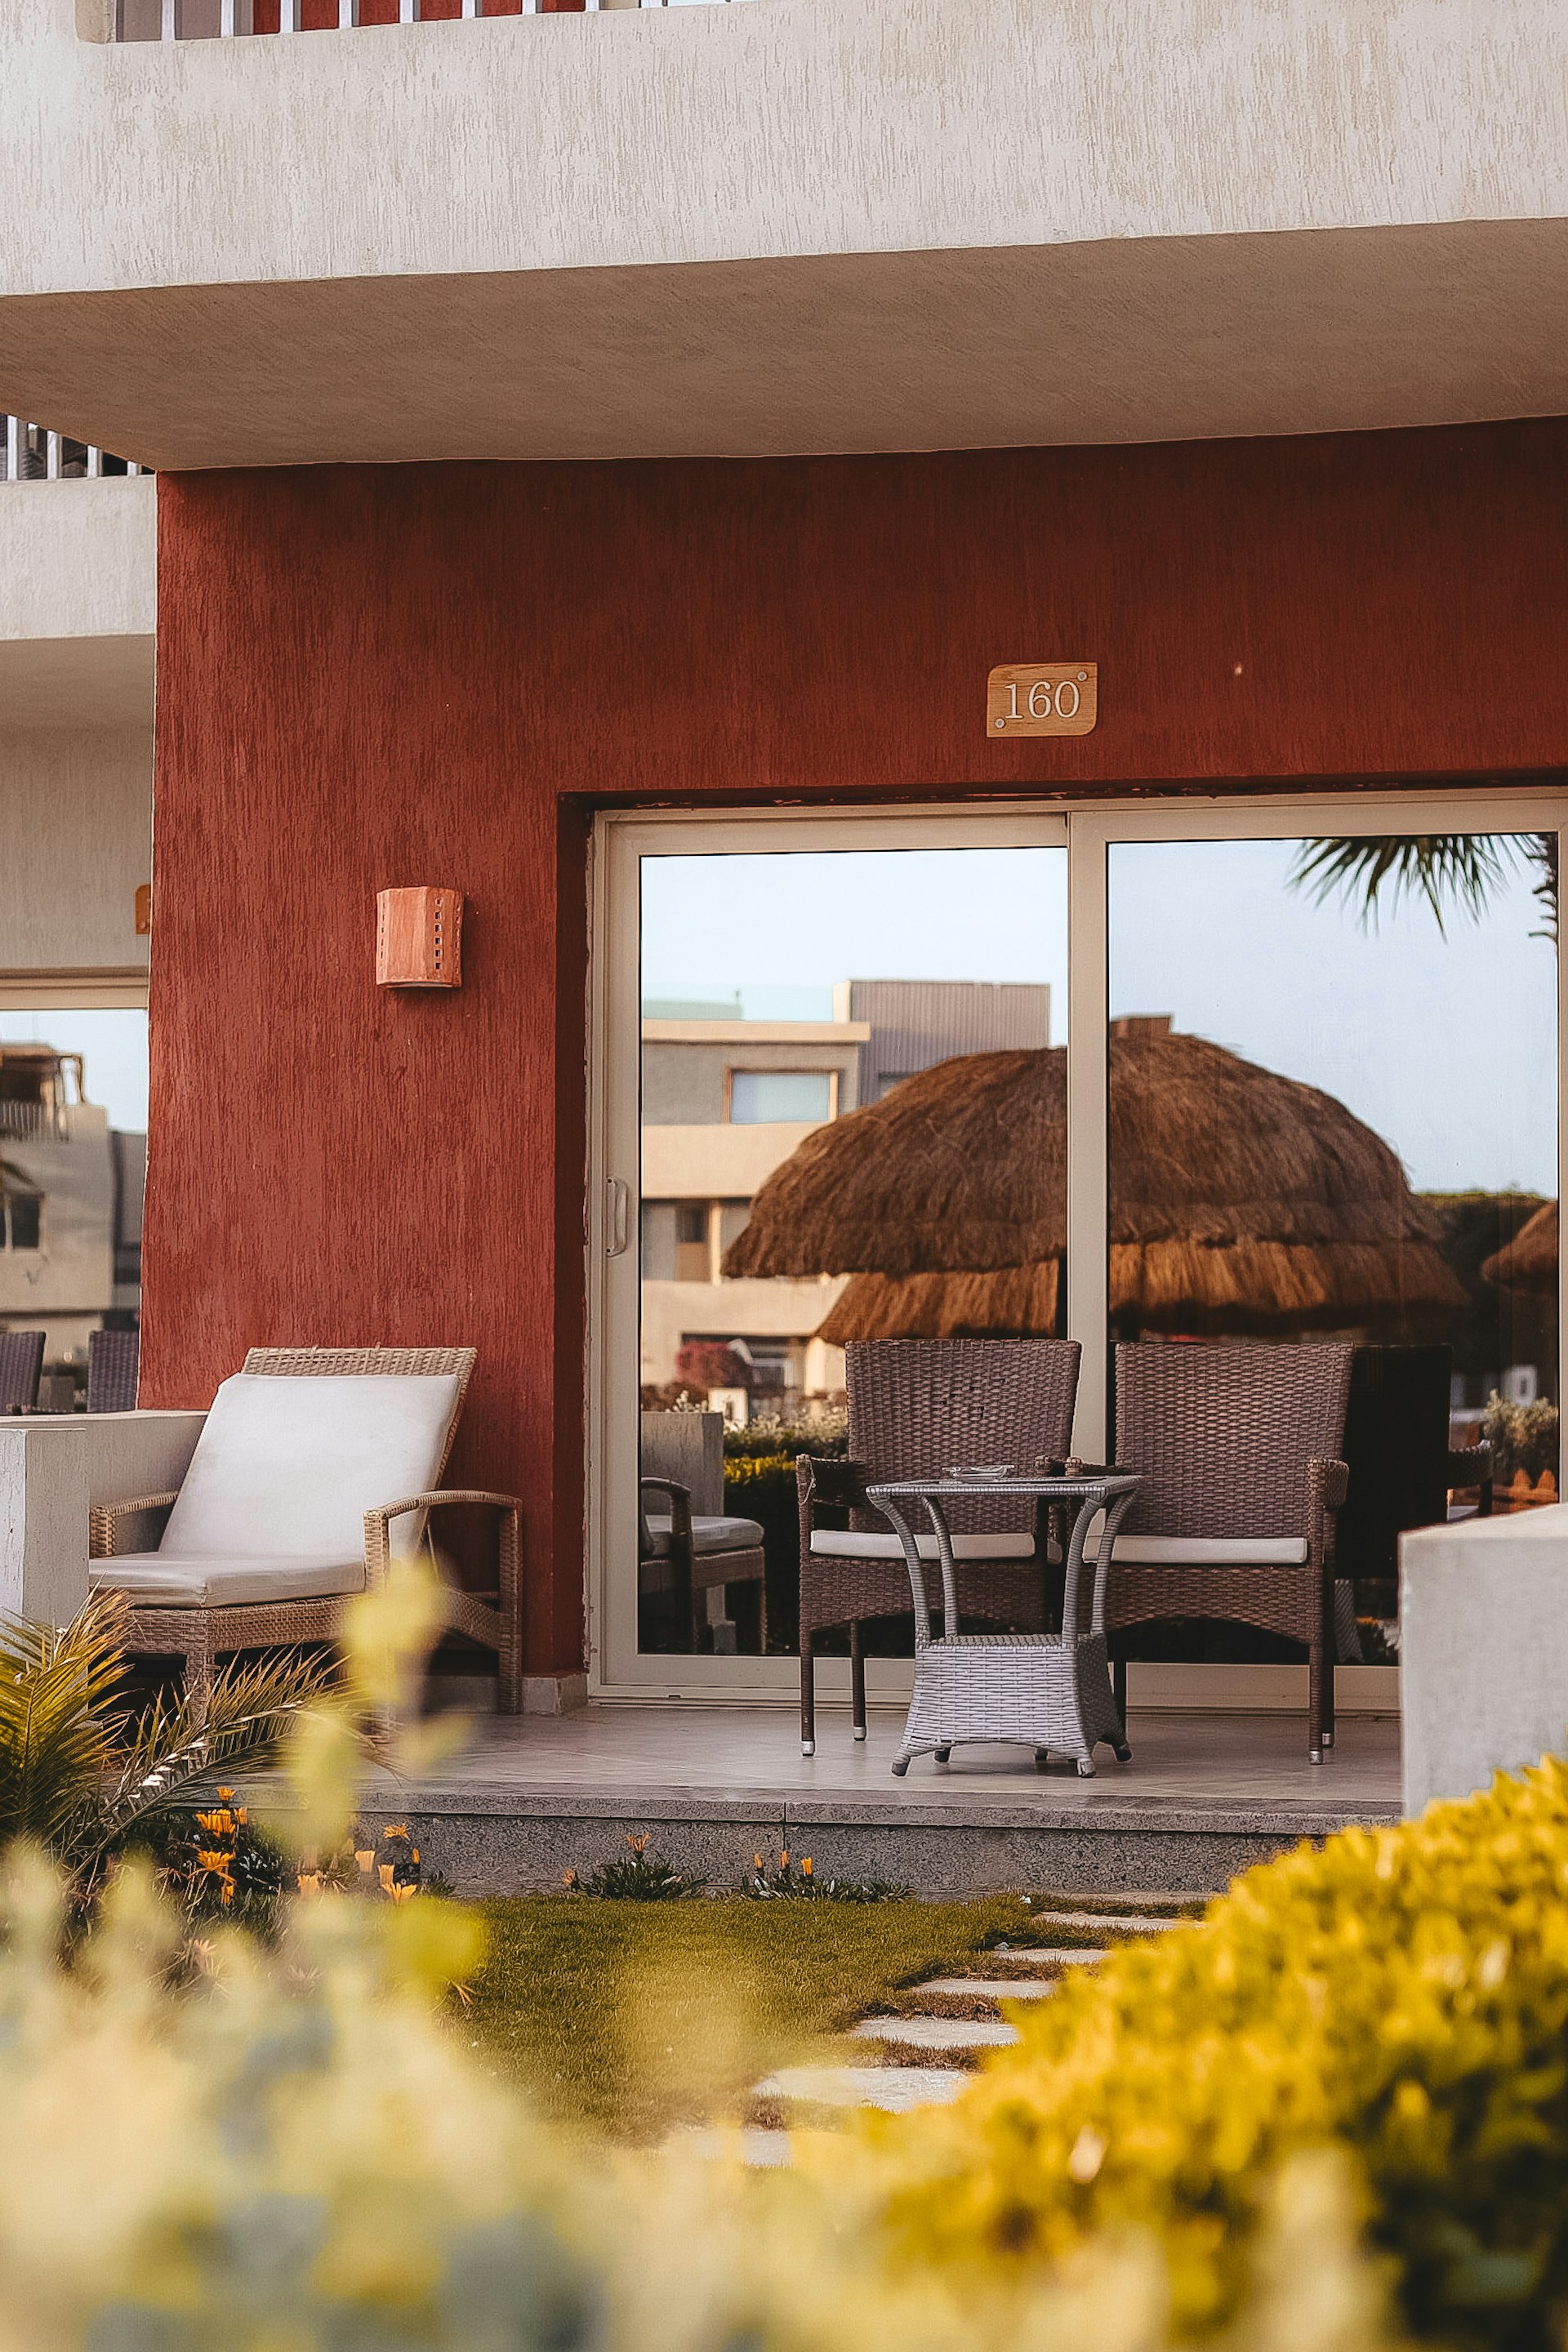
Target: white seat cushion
x: 708, y: 1535
x: 286, y: 1468
x: 1204, y: 1551
x: 152, y: 1579
x: 849, y: 1543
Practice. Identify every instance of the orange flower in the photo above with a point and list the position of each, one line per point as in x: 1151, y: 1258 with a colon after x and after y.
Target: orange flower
x: 806, y: 1867
x: 395, y: 1830
x: 401, y: 1894
x: 310, y: 1882
x: 385, y: 1875
x: 366, y: 1857
x: 226, y: 1796
x: 757, y: 1860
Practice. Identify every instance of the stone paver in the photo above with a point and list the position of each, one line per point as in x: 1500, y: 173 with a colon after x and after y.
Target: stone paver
x: 895, y: 2089
x: 1046, y: 1955
x: 937, y: 2033
x: 1129, y: 1922
x: 753, y: 2145
x: 985, y: 1987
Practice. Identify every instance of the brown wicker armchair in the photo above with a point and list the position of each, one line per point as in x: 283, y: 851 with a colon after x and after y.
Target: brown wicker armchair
x: 1240, y: 1451
x: 282, y: 1594
x: 918, y: 1406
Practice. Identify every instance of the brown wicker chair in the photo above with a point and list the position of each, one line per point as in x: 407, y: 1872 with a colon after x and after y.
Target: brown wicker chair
x: 113, y: 1358
x: 21, y: 1364
x: 1240, y: 1451
x: 918, y: 1406
x: 198, y: 1634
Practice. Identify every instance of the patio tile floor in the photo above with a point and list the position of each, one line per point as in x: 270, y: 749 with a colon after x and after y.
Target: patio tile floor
x: 1204, y: 1796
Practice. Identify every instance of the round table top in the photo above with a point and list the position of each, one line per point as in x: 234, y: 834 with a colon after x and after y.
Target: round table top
x: 1033, y: 1483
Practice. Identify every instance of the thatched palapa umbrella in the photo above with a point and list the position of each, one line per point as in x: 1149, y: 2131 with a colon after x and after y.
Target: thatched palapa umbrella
x: 1240, y: 1201
x: 1529, y: 1262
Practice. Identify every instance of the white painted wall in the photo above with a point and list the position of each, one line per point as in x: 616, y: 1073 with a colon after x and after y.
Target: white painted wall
x: 786, y: 225
x: 78, y: 558
x: 75, y: 817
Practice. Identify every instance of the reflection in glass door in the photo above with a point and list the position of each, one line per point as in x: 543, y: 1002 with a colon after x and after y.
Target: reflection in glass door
x: 835, y: 1095
x: 835, y: 1045
x: 1332, y: 1114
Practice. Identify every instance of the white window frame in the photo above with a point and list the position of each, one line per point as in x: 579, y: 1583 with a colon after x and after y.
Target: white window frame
x: 623, y: 838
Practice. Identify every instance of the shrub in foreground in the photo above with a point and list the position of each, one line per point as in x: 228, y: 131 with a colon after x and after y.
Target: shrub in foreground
x: 1401, y: 1993
x: 298, y: 2150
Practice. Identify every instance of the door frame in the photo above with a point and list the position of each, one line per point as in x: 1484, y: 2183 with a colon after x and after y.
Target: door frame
x: 621, y: 838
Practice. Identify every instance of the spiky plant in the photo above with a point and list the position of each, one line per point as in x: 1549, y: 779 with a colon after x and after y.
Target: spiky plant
x: 79, y: 1768
x: 1446, y: 869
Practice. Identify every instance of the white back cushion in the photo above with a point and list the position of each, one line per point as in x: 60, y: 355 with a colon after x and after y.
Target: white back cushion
x: 289, y: 1466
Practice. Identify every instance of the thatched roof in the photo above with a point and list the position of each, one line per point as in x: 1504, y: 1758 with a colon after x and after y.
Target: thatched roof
x: 1529, y: 1262
x: 1238, y: 1199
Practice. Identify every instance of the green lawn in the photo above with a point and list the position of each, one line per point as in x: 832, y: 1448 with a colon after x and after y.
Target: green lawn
x: 626, y: 2018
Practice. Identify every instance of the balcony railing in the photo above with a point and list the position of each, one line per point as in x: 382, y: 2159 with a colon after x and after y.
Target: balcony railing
x: 33, y: 453
x: 210, y: 20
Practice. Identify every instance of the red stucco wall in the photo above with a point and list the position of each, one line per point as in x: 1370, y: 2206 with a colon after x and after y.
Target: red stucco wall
x: 392, y: 674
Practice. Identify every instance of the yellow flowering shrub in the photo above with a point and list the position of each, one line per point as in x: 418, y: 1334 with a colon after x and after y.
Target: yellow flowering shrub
x: 1401, y: 1993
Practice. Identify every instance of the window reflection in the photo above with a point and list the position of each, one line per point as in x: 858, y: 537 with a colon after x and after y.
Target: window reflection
x: 1332, y: 1114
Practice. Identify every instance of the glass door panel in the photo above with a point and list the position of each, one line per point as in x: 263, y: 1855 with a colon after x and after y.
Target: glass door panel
x: 1332, y: 1113
x: 847, y: 1060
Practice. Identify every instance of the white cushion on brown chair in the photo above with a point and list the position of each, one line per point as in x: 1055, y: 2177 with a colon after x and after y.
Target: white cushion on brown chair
x: 851, y: 1543
x: 286, y: 1468
x: 708, y: 1535
x: 1204, y: 1551
x: 153, y: 1580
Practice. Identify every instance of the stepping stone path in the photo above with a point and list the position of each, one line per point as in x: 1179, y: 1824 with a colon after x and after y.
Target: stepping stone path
x: 945, y: 2024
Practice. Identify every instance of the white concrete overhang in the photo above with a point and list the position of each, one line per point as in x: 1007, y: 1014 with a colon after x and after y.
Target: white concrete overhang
x: 797, y: 225
x: 78, y: 600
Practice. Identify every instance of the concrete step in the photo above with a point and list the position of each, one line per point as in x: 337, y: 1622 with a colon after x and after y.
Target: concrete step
x: 936, y: 2032
x: 894, y: 2089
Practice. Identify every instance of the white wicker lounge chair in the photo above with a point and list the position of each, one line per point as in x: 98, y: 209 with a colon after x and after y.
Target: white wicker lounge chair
x: 306, y: 1458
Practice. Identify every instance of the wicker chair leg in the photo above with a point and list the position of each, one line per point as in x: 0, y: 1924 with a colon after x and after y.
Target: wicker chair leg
x: 1119, y: 1689
x: 508, y: 1663
x: 857, y: 1679
x: 807, y: 1697
x: 198, y: 1663
x: 1315, y: 1702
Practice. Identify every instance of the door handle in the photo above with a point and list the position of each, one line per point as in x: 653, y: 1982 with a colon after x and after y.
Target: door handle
x: 617, y: 1215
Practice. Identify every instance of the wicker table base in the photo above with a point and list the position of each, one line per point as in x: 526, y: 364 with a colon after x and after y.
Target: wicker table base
x: 1042, y: 1691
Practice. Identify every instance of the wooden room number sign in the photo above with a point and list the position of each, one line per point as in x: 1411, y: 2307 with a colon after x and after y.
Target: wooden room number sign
x: 1042, y: 698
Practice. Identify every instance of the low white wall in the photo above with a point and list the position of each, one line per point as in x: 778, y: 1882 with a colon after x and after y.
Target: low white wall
x: 53, y: 1469
x: 1483, y: 1650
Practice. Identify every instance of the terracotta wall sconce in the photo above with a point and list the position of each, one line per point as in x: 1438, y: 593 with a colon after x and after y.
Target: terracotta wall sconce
x: 419, y: 939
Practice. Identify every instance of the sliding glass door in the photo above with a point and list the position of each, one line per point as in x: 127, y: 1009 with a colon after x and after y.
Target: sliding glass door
x: 834, y: 1068
x: 1272, y: 1071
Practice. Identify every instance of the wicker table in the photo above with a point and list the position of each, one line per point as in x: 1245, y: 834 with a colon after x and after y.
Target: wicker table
x: 1032, y: 1690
